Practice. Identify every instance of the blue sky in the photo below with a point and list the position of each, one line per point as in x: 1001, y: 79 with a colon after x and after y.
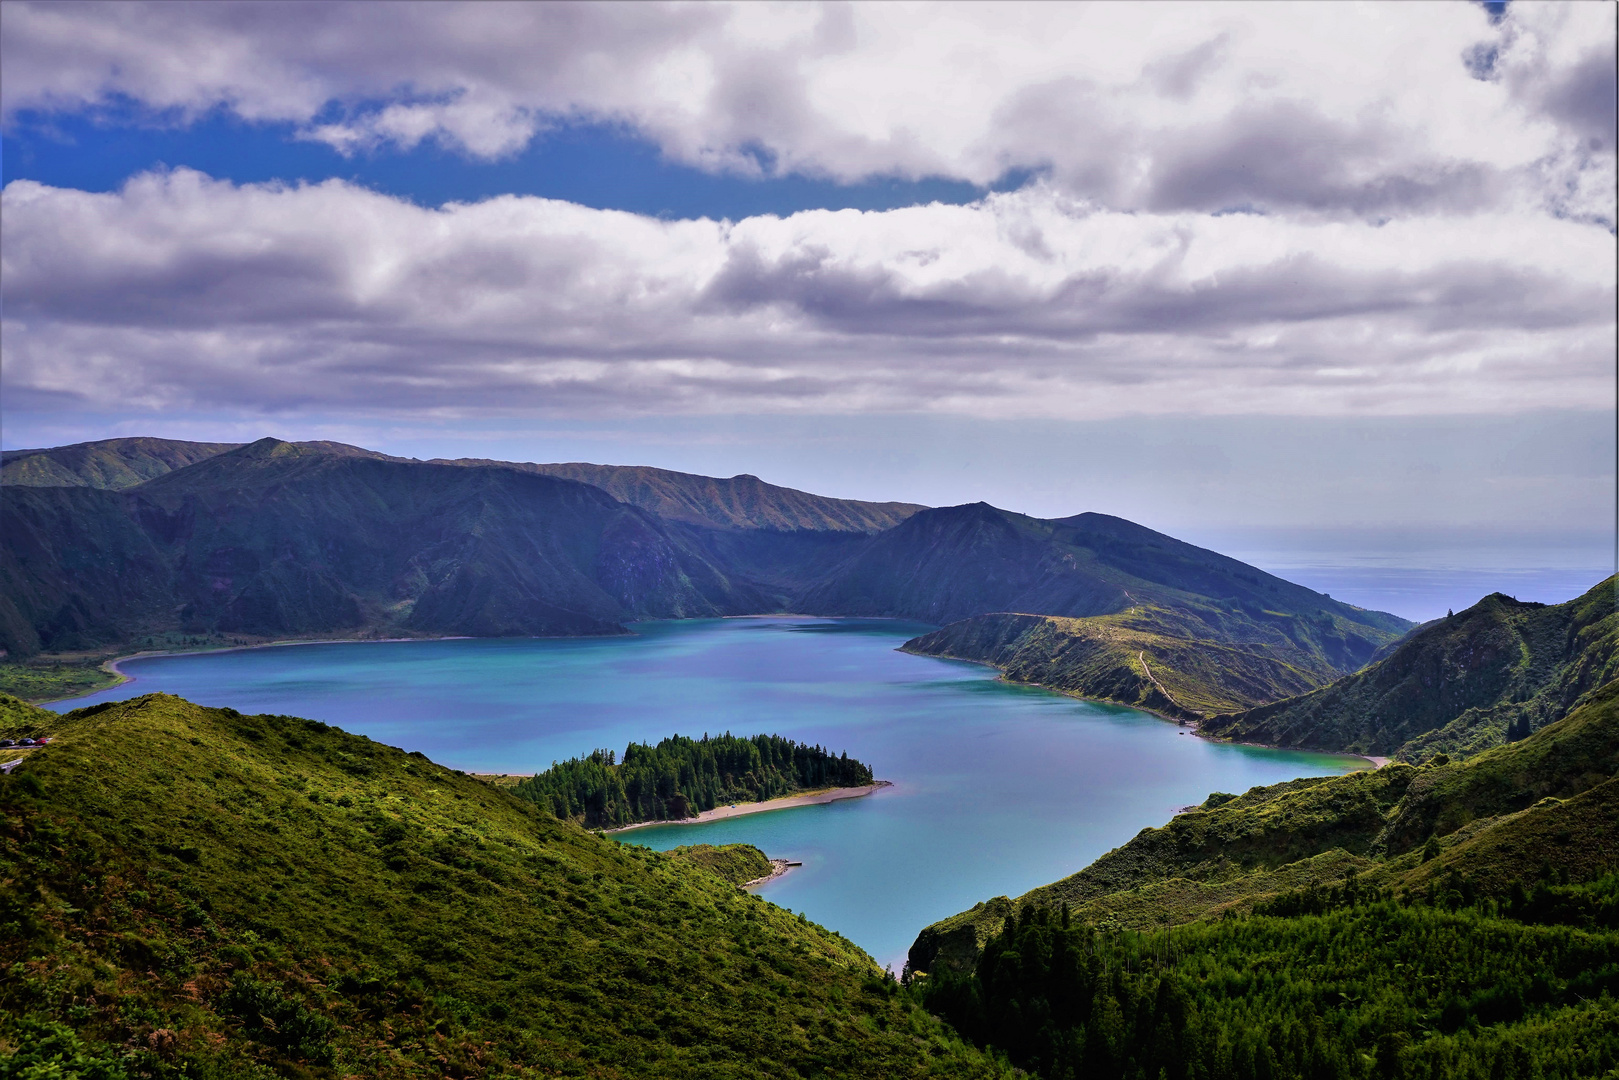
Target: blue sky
x: 608, y: 167
x: 1331, y: 286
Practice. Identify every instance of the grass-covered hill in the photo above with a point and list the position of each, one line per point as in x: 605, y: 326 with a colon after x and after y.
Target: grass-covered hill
x: 279, y: 539
x: 194, y: 892
x: 1482, y: 677
x: 956, y: 562
x: 110, y: 463
x: 1146, y: 657
x: 1103, y: 608
x: 1549, y: 799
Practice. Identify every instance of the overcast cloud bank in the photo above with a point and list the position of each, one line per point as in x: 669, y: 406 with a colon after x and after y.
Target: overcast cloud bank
x: 1317, y: 209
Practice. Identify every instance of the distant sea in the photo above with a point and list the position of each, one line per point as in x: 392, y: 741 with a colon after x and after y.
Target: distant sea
x: 1422, y: 584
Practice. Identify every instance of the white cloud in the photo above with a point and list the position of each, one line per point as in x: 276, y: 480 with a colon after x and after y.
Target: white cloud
x: 1326, y: 109
x: 184, y: 292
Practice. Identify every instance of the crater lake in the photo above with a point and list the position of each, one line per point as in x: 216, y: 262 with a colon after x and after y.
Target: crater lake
x: 997, y: 787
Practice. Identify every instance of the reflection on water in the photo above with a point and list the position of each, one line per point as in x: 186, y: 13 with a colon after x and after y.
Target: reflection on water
x: 998, y: 788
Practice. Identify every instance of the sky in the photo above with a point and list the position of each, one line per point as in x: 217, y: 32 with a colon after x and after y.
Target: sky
x: 1330, y: 285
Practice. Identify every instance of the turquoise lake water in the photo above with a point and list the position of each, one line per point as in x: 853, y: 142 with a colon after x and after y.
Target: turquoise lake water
x: 997, y: 788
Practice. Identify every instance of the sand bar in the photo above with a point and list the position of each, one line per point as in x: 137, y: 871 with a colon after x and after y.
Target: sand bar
x: 812, y: 799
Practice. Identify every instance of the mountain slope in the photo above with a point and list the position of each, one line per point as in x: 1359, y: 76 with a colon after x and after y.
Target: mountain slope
x: 110, y: 463
x: 1551, y: 798
x: 281, y: 539
x: 190, y: 891
x: 1499, y: 670
x: 957, y: 562
x: 737, y: 502
x: 1104, y: 608
x: 1136, y: 658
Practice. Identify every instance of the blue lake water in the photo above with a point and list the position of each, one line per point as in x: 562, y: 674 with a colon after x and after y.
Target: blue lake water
x: 997, y: 788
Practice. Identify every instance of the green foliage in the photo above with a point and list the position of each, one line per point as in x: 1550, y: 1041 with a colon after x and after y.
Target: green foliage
x: 1187, y: 662
x: 1549, y: 800
x: 1348, y: 982
x: 20, y: 720
x: 55, y: 679
x: 680, y: 777
x: 1492, y: 674
x: 957, y: 563
x: 194, y: 892
x: 111, y: 463
x: 736, y: 863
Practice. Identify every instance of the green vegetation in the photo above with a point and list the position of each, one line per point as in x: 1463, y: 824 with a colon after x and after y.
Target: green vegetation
x: 20, y: 720
x: 1343, y: 982
x: 1551, y: 797
x: 1460, y: 919
x: 736, y: 863
x: 1146, y: 657
x: 959, y: 562
x: 194, y: 892
x: 54, y: 679
x: 277, y: 540
x: 109, y: 464
x: 1485, y: 676
x: 680, y: 777
x: 738, y: 502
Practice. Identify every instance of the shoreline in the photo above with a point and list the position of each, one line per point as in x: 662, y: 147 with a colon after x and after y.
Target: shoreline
x: 778, y: 867
x: 111, y: 665
x: 786, y: 802
x: 1189, y: 723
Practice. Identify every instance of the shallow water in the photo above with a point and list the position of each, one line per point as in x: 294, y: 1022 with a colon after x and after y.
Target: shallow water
x: 997, y: 788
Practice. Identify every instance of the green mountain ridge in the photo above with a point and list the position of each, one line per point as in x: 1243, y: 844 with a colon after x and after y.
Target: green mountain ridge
x: 1496, y: 671
x: 737, y: 502
x: 193, y: 892
x: 276, y: 540
x: 1550, y: 797
x: 111, y: 464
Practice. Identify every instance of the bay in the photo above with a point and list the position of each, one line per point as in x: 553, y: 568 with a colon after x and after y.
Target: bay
x: 997, y: 787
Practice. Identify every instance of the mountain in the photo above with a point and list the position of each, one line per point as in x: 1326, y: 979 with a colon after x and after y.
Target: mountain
x: 194, y: 892
x: 275, y: 539
x: 281, y: 539
x: 111, y: 464
x: 1147, y: 658
x: 1552, y: 799
x: 740, y: 502
x: 1104, y: 608
x: 1497, y: 671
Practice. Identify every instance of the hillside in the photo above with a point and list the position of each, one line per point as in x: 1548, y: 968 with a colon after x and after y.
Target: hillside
x: 1129, y: 615
x: 279, y: 539
x: 1142, y: 657
x: 737, y: 502
x: 275, y: 540
x: 110, y: 464
x: 1551, y: 798
x: 193, y: 892
x: 1497, y: 671
x: 957, y: 562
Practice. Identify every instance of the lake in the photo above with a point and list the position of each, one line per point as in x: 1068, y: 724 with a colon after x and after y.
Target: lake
x: 997, y: 788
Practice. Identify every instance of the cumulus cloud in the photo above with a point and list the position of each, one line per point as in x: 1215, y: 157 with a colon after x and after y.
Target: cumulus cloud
x: 184, y: 292
x: 1318, y: 109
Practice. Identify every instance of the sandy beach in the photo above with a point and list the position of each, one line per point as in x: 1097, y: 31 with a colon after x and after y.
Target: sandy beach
x: 812, y: 799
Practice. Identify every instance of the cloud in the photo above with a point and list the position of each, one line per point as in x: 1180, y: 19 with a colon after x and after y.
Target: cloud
x: 1313, y: 109
x: 180, y: 291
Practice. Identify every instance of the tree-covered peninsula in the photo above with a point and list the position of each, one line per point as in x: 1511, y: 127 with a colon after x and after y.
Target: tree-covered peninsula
x: 681, y: 777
